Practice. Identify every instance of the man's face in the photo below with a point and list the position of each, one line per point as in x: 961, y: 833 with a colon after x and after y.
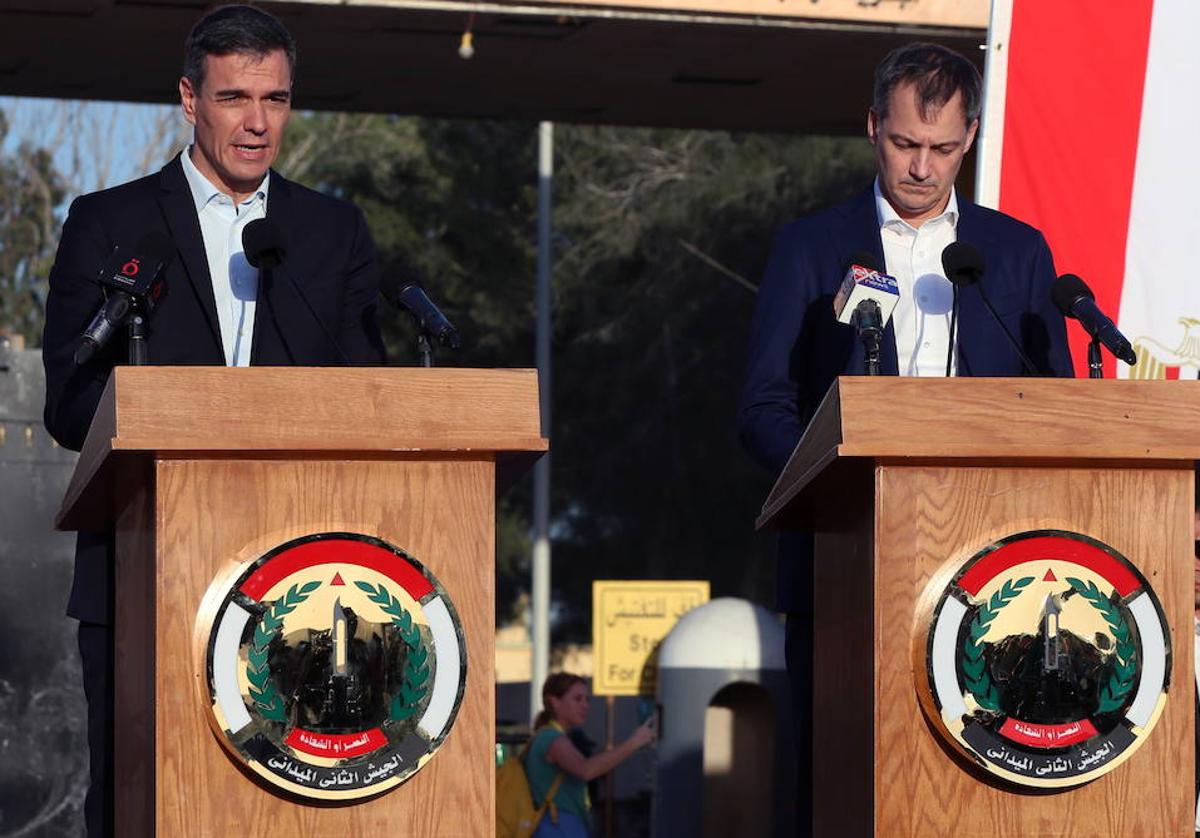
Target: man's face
x: 918, y: 160
x: 239, y: 114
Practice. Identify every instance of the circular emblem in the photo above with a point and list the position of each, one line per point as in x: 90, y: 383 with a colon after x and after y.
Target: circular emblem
x: 1048, y: 659
x: 336, y: 666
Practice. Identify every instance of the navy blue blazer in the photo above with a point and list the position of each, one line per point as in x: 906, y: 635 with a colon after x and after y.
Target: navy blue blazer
x: 330, y: 255
x: 797, y: 347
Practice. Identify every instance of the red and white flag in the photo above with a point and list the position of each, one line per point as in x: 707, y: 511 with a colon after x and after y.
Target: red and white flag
x: 1090, y: 134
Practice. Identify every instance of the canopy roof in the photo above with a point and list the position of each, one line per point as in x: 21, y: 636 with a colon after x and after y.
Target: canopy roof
x: 801, y: 66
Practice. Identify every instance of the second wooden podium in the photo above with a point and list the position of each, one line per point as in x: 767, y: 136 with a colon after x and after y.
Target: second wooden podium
x: 1003, y: 620
x: 305, y: 594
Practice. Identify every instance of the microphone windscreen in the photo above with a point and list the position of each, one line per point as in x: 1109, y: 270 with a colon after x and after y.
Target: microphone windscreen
x: 263, y: 243
x: 1066, y: 290
x: 157, y: 246
x: 963, y: 263
x: 393, y: 287
x: 864, y: 259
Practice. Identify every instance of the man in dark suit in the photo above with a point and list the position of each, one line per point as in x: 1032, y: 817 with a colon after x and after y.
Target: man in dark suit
x: 218, y: 310
x: 922, y: 121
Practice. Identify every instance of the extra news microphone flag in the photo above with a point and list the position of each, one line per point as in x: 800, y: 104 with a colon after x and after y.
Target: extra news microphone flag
x: 866, y: 300
x: 865, y: 280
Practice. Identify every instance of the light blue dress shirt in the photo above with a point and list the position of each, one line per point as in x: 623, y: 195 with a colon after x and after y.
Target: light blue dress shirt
x: 234, y: 280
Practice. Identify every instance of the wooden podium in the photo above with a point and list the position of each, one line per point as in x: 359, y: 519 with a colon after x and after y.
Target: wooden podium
x: 200, y: 470
x: 903, y: 480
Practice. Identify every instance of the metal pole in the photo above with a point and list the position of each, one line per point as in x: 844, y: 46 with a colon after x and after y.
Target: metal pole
x: 610, y: 703
x: 540, y: 619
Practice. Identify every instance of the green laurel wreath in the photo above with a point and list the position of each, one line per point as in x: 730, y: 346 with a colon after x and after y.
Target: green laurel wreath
x: 416, y: 665
x: 974, y: 668
x: 1125, y: 669
x: 267, y: 701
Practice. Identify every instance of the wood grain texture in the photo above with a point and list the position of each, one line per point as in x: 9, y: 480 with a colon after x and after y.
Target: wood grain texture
x: 134, y: 653
x: 844, y: 673
x: 1000, y: 420
x: 213, y: 515
x: 358, y: 410
x: 814, y: 456
x: 1019, y: 417
x: 930, y: 521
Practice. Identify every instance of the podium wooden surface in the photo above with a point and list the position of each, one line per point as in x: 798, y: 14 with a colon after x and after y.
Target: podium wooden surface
x: 200, y: 470
x: 903, y: 480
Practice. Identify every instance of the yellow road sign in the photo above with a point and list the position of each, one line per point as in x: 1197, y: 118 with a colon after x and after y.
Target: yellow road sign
x: 629, y: 620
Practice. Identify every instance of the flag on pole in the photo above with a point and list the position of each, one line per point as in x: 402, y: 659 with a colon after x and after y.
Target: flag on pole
x: 1089, y: 129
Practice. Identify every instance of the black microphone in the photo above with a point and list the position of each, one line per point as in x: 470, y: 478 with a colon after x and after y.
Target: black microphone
x: 265, y: 248
x: 410, y: 296
x: 132, y: 280
x: 263, y: 244
x: 1073, y: 298
x: 964, y: 266
x: 865, y: 300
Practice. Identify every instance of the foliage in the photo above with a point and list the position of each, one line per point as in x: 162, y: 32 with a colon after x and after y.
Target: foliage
x: 31, y: 192
x: 650, y: 340
x: 659, y: 238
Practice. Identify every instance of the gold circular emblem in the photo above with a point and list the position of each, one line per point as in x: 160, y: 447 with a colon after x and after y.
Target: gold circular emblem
x: 336, y: 666
x: 1048, y: 659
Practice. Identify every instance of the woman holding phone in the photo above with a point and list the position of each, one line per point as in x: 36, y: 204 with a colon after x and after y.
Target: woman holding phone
x: 565, y: 704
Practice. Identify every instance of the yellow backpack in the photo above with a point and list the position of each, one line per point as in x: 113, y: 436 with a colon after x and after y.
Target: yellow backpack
x: 516, y: 816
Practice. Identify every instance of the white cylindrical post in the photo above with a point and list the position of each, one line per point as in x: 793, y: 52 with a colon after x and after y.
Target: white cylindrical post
x: 540, y: 618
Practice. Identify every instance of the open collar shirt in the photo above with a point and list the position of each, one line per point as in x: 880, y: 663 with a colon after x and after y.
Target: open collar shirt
x: 913, y: 255
x: 234, y: 280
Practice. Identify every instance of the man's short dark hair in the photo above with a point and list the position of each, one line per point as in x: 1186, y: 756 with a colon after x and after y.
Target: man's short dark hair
x: 936, y: 72
x: 228, y: 30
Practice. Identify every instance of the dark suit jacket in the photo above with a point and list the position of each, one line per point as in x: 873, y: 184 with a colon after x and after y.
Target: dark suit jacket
x: 330, y: 255
x: 797, y: 347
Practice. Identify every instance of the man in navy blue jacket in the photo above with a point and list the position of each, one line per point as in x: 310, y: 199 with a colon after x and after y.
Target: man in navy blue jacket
x: 922, y: 121
x: 236, y: 92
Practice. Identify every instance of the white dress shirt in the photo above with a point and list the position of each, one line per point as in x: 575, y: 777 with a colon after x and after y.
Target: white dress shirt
x: 913, y: 255
x: 234, y: 280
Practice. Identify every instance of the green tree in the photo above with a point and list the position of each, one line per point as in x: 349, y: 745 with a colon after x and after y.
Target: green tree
x: 659, y: 240
x: 31, y: 193
x: 454, y: 203
x: 664, y: 236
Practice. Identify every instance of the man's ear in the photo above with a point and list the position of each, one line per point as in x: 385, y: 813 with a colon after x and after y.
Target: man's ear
x: 187, y: 99
x: 872, y: 125
x: 971, y: 132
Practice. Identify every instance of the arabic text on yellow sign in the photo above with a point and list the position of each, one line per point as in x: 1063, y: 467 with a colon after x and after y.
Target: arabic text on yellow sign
x: 629, y: 621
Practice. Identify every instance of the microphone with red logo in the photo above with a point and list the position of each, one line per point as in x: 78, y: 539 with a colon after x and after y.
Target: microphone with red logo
x: 866, y: 300
x: 133, y: 283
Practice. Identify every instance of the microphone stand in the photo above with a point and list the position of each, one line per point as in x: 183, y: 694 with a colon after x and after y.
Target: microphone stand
x: 1013, y: 342
x: 867, y: 320
x: 1095, y: 359
x: 425, y: 348
x: 953, y: 329
x: 138, y: 354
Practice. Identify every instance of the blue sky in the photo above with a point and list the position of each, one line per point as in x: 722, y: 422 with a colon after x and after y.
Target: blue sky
x: 97, y: 144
